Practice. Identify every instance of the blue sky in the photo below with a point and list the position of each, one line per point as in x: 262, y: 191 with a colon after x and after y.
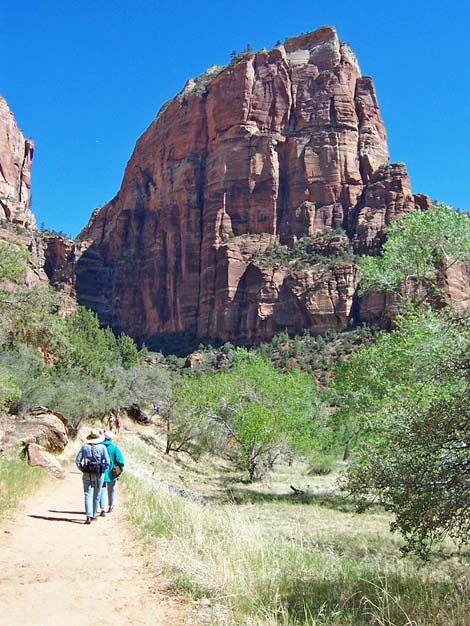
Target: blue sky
x: 84, y: 79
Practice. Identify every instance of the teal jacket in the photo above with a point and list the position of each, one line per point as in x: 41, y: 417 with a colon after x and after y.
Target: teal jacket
x: 115, y: 458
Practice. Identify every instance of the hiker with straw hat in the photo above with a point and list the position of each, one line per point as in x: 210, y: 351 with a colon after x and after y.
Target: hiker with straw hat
x: 92, y: 460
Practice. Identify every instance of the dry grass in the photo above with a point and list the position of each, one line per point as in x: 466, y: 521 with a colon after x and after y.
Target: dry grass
x: 258, y: 555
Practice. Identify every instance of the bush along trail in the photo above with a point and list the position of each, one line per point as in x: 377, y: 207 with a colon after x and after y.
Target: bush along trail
x: 57, y: 571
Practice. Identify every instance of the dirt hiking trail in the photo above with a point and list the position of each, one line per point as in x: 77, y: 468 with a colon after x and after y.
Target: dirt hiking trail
x: 57, y: 571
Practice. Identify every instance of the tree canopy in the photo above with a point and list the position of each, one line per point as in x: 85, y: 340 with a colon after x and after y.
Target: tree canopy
x: 419, y: 246
x: 403, y: 401
x: 248, y: 411
x: 419, y: 468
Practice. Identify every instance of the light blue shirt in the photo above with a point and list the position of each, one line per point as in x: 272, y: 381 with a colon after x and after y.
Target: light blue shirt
x: 101, y: 454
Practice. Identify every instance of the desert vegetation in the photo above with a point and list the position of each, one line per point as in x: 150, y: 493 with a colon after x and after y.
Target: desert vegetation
x: 66, y: 362
x: 328, y: 249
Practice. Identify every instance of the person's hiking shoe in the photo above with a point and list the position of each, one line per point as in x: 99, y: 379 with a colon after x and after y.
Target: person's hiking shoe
x: 110, y: 510
x: 103, y: 514
x: 88, y: 520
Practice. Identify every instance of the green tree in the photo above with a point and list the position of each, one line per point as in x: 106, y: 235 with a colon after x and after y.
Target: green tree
x: 29, y: 374
x: 380, y: 376
x: 128, y: 351
x: 420, y: 471
x: 420, y: 248
x: 8, y: 390
x: 13, y: 264
x: 13, y: 261
x: 31, y: 318
x: 91, y: 348
x: 412, y: 393
x: 247, y: 412
x: 140, y: 384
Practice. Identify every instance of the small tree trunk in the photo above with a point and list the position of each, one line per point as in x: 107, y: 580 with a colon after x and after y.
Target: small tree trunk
x: 168, y: 435
x: 256, y: 469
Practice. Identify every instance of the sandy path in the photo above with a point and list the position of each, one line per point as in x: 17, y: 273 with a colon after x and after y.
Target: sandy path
x: 57, y: 571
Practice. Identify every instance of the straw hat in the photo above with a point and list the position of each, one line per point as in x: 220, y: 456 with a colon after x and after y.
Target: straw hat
x: 95, y: 436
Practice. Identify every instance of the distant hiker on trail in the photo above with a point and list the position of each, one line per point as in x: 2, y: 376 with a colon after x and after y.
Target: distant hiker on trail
x: 112, y: 473
x: 118, y: 424
x: 156, y: 409
x: 111, y: 421
x: 92, y: 460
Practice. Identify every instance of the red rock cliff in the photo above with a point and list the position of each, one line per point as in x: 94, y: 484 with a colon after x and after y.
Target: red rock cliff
x: 277, y: 147
x: 16, y: 154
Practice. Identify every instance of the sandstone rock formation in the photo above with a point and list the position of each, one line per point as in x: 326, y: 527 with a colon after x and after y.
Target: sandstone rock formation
x: 51, y: 260
x: 39, y: 457
x: 277, y: 147
x: 42, y: 427
x: 16, y: 154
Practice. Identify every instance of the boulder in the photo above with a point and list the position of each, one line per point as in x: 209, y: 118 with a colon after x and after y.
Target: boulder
x: 138, y: 415
x: 195, y: 360
x: 45, y: 429
x: 38, y: 456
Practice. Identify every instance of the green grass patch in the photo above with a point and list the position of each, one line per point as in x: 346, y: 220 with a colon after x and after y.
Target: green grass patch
x: 17, y: 480
x: 322, y: 464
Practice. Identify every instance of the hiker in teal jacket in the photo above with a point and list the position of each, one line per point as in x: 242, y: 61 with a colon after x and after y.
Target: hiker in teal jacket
x: 112, y: 473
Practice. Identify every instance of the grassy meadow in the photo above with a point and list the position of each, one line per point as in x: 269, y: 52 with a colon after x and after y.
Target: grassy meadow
x: 256, y: 554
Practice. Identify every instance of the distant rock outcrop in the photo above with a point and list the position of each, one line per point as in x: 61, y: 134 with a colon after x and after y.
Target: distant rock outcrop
x: 278, y: 146
x: 16, y: 154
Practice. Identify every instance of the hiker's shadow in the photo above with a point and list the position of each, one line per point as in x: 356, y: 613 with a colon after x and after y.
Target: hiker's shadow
x: 58, y: 519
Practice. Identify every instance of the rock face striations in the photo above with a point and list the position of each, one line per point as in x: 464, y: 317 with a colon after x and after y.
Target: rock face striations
x: 16, y: 154
x: 281, y: 151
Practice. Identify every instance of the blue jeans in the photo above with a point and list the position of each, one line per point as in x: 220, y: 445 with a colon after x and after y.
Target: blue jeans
x: 92, y: 484
x: 109, y: 489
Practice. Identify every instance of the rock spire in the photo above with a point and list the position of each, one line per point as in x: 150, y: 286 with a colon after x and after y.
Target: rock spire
x: 281, y: 146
